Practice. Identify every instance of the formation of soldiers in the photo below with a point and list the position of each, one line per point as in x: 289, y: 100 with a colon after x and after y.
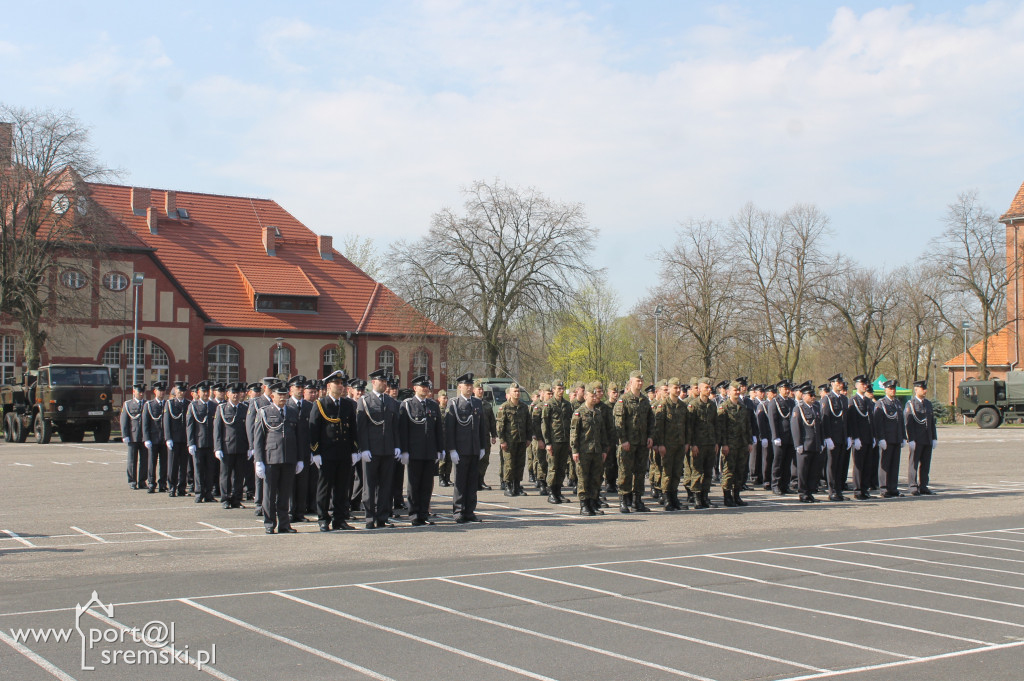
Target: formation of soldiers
x: 336, y: 445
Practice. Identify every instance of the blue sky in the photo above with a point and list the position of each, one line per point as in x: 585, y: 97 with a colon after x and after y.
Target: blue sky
x: 368, y: 117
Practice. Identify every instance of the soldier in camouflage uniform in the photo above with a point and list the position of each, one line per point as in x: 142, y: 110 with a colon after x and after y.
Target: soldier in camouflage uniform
x: 444, y: 467
x: 541, y: 462
x: 588, y: 441
x: 515, y: 431
x: 575, y: 397
x: 670, y: 420
x: 660, y: 393
x: 735, y: 440
x: 634, y: 428
x: 556, y: 418
x: 691, y: 394
x: 609, y: 427
x: 531, y: 448
x: 703, y: 439
x: 611, y: 464
x: 478, y: 392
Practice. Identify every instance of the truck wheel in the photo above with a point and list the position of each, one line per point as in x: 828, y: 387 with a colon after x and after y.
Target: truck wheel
x: 987, y: 418
x: 43, y: 430
x: 18, y: 432
x: 8, y: 428
x: 101, y: 432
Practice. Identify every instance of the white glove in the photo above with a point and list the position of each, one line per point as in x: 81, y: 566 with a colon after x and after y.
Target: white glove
x: 455, y: 457
x: 261, y: 470
x: 366, y: 456
x: 405, y: 458
x: 857, y: 444
x: 149, y: 444
x: 317, y: 460
x: 192, y: 450
x: 913, y: 446
x: 800, y: 449
x: 828, y: 443
x: 777, y: 442
x: 298, y: 467
x: 170, y: 444
x: 849, y: 442
x: 753, y: 439
x: 882, y: 444
x: 398, y: 452
x: 440, y: 457
x: 250, y: 453
x: 126, y: 440
x: 935, y: 444
x: 482, y: 453
x: 219, y: 454
x: 764, y: 442
x: 355, y: 458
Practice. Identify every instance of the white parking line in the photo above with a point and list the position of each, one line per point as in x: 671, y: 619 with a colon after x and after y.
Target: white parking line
x: 538, y: 634
x: 952, y: 553
x: 98, y: 538
x: 42, y: 662
x: 391, y: 630
x: 287, y: 641
x: 214, y: 527
x: 923, y: 560
x: 162, y: 534
x: 985, y: 546
x: 18, y: 538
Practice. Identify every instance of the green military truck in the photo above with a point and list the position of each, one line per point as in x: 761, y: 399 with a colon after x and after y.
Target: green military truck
x: 494, y: 392
x: 68, y: 399
x: 994, y: 402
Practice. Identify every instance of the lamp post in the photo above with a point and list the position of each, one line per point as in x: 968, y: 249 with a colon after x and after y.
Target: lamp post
x: 965, y: 325
x: 640, y: 354
x: 657, y: 318
x: 280, y: 369
x: 137, y: 279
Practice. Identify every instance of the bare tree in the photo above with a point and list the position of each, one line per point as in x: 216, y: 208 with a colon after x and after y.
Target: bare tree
x: 513, y: 252
x: 362, y: 252
x: 968, y: 263
x: 45, y: 160
x: 866, y: 303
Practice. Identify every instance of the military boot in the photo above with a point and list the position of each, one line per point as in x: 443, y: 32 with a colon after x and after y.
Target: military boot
x: 685, y: 506
x: 533, y: 478
x: 553, y: 498
x: 518, y: 490
x: 624, y: 503
x: 690, y: 499
x: 668, y: 502
x: 503, y: 485
x: 700, y: 501
x: 509, y: 490
x: 601, y: 501
x: 543, y: 489
x: 638, y: 504
x: 585, y: 508
x: 728, y: 499
x: 736, y: 498
x: 656, y: 495
x: 595, y: 505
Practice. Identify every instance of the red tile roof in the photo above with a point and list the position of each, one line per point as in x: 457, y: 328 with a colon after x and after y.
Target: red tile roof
x: 998, y: 351
x: 1016, y: 209
x: 218, y: 257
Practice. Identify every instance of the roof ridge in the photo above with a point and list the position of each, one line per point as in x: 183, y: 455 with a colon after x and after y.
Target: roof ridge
x: 369, y: 306
x: 185, y: 191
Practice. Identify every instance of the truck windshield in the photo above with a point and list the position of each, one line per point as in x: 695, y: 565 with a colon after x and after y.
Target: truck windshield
x: 498, y: 395
x: 79, y: 376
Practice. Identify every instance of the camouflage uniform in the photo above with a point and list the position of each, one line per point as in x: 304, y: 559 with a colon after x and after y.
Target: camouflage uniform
x: 556, y: 418
x: 703, y: 423
x: 540, y: 465
x: 671, y: 418
x: 655, y: 471
x: 734, y: 433
x: 514, y: 432
x: 492, y: 429
x: 611, y: 464
x: 575, y: 404
x: 589, y: 443
x: 634, y: 424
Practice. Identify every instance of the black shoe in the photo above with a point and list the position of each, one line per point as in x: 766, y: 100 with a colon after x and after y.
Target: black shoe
x: 384, y: 523
x: 533, y: 478
x: 418, y: 523
x: 249, y: 496
x: 585, y: 508
x: 443, y: 483
x: 259, y: 511
x: 700, y: 502
x: 926, y: 491
x: 638, y: 504
x: 767, y: 486
x: 132, y: 485
x: 544, y: 490
x: 727, y: 495
x: 519, y: 491
x: 461, y: 519
x: 708, y: 501
x: 370, y: 525
x: 299, y: 519
x: 509, y: 492
x: 915, y: 493
x: 804, y: 500
x: 503, y: 485
x: 342, y: 525
x: 811, y: 499
x: 152, y: 490
x: 163, y: 489
x: 483, y: 488
x: 287, y: 530
x: 552, y: 499
x: 777, y: 492
x: 834, y: 497
x: 748, y: 488
x: 226, y: 504
x: 200, y: 499
x: 736, y: 498
x: 172, y: 494
x: 860, y: 496
x: 270, y: 530
x: 324, y: 527
x: 624, y: 504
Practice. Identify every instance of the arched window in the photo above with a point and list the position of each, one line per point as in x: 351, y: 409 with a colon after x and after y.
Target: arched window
x: 159, y: 364
x: 420, y: 362
x: 282, y: 361
x: 222, y: 363
x: 330, y: 360
x: 135, y: 369
x: 115, y: 281
x: 386, y: 361
x: 74, y: 279
x: 112, y: 360
x: 7, y: 359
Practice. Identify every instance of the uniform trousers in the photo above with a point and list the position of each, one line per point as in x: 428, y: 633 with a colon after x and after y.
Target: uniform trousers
x: 611, y: 468
x: 514, y: 458
x: 672, y: 462
x: 484, y: 463
x: 138, y: 460
x: 873, y: 469
x: 157, y: 466
x: 558, y: 461
x: 655, y: 469
x: 734, y: 467
x: 767, y: 462
x: 312, y: 482
x: 206, y: 472
x: 232, y: 477
x: 703, y: 462
x: 589, y: 470
x: 889, y: 466
x: 808, y: 464
x: 865, y: 467
x: 444, y: 467
x: 467, y: 479
x: 687, y: 469
x: 334, y: 489
x: 299, y: 491
x: 277, y: 494
x: 919, y: 464
x: 838, y: 468
x: 377, y: 476
x: 421, y: 487
x: 398, y: 485
x: 782, y: 467
x: 177, y: 472
x: 632, y: 469
x: 754, y: 464
x: 540, y: 463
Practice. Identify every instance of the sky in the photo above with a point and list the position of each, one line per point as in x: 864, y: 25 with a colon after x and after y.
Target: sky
x: 368, y: 117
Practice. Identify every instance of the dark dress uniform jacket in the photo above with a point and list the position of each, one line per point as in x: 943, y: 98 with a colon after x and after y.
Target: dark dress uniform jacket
x: 332, y: 428
x: 888, y: 422
x: 229, y: 431
x: 377, y: 424
x: 468, y: 440
x: 199, y: 423
x: 920, y: 430
x: 174, y: 421
x: 153, y: 422
x: 764, y: 429
x: 833, y: 419
x: 305, y: 409
x: 779, y: 420
x: 276, y: 435
x: 419, y: 429
x: 806, y: 427
x: 858, y: 421
x: 131, y: 421
x: 252, y: 413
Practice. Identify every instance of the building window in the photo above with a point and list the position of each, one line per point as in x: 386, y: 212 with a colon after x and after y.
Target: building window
x: 330, y: 360
x: 265, y: 303
x: 135, y: 370
x: 112, y: 360
x: 420, y: 362
x: 222, y: 363
x: 7, y: 359
x: 74, y: 279
x: 115, y: 281
x: 159, y: 364
x: 282, y: 361
x: 386, y: 361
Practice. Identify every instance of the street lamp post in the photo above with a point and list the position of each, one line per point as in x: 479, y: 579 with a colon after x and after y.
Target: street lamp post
x: 657, y: 318
x: 137, y: 279
x: 280, y: 369
x: 640, y: 354
x: 965, y: 325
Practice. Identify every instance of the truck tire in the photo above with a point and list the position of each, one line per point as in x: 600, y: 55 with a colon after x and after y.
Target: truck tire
x: 43, y: 430
x: 987, y: 418
x: 18, y: 432
x: 101, y: 433
x: 71, y: 434
x: 8, y: 428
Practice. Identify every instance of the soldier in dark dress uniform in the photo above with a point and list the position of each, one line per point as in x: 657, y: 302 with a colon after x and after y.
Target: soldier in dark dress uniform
x: 492, y: 429
x: 231, y: 445
x: 156, y: 440
x: 753, y: 400
x: 257, y: 403
x: 465, y: 434
x: 834, y: 418
x: 805, y: 425
x: 780, y: 412
x: 890, y: 432
x: 421, y: 439
x: 921, y: 439
x: 764, y: 432
x: 253, y: 390
x: 356, y: 389
x: 859, y: 430
x: 297, y: 401
x: 199, y: 428
x: 332, y: 442
x: 133, y: 437
x: 177, y: 447
x: 276, y: 446
x: 377, y: 434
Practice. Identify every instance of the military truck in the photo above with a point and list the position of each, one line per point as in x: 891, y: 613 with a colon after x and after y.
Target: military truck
x: 68, y: 399
x: 994, y: 402
x: 494, y: 392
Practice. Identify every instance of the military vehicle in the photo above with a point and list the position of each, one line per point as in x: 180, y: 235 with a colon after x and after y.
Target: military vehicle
x: 994, y: 402
x: 494, y: 392
x: 67, y: 398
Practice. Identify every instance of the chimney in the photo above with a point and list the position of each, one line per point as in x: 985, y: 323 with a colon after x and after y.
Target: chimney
x: 170, y: 204
x: 140, y: 200
x: 269, y: 240
x: 151, y: 218
x: 324, y: 244
x: 6, y: 143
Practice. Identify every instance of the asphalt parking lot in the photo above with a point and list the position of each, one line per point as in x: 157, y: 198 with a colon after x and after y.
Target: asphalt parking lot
x: 918, y: 587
